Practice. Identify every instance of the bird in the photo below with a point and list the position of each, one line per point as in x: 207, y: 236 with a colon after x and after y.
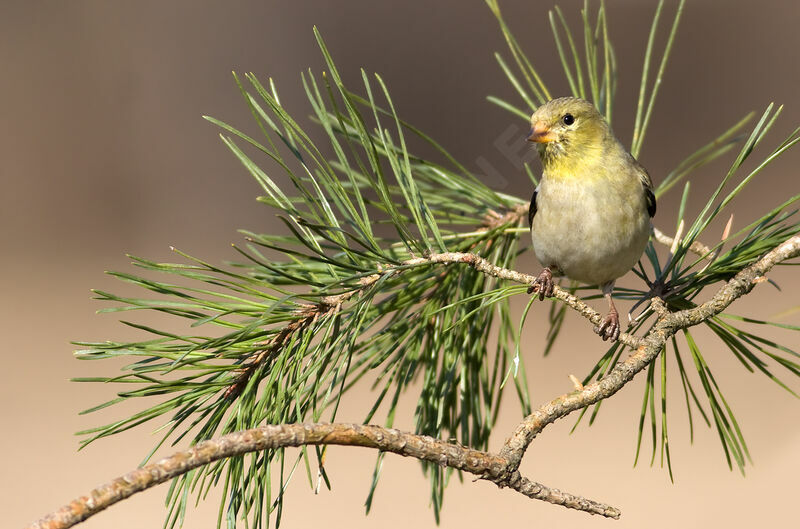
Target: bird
x: 590, y: 214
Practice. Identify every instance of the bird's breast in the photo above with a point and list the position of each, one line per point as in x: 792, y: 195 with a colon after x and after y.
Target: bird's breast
x: 594, y: 230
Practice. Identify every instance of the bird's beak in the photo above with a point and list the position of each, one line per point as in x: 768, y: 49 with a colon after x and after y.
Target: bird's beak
x: 541, y: 133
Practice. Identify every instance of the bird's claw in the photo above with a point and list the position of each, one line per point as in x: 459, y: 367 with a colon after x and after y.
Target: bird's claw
x: 543, y: 284
x: 609, y: 328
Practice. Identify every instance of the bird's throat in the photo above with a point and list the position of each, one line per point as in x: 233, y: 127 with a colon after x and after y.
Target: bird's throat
x: 560, y: 164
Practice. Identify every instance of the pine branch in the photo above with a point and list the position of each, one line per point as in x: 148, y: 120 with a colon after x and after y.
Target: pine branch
x: 500, y: 469
x: 328, y: 304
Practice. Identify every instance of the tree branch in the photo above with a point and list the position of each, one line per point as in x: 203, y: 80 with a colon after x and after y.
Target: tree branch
x: 483, y: 464
x: 502, y: 468
x: 651, y: 345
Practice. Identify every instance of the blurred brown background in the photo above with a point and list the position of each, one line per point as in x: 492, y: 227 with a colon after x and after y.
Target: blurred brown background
x: 103, y: 151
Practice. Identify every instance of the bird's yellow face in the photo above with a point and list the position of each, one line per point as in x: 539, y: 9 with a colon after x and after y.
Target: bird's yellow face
x: 567, y: 129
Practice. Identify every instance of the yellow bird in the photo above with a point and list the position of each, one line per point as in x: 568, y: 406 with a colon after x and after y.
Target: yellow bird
x: 590, y: 214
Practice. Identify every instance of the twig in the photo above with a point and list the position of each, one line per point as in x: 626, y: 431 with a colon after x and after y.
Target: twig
x: 697, y: 247
x: 482, y: 265
x: 494, y: 220
x: 309, y: 314
x: 483, y: 464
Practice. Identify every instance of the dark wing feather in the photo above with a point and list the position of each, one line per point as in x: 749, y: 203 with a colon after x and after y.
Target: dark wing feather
x: 651, y: 201
x: 532, y: 208
x: 647, y: 184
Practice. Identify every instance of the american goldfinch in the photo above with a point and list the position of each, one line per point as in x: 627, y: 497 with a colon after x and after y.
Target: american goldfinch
x: 590, y: 214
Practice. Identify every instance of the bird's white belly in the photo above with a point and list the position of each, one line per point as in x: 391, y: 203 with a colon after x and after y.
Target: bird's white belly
x: 588, y: 231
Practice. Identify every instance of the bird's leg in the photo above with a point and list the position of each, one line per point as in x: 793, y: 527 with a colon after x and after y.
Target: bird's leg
x: 543, y: 284
x: 609, y: 328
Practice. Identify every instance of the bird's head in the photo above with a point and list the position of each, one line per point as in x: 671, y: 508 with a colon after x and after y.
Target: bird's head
x: 566, y: 128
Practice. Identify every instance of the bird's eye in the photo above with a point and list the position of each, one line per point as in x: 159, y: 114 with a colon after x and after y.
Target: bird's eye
x: 568, y: 119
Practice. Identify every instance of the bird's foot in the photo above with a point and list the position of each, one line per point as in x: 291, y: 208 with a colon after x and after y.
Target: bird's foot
x: 609, y: 328
x: 543, y: 284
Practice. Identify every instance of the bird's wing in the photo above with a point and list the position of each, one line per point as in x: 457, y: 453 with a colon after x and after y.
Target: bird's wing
x: 651, y: 201
x: 647, y: 184
x: 532, y: 207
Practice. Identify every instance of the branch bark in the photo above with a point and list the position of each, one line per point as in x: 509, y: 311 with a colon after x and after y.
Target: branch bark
x: 483, y: 464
